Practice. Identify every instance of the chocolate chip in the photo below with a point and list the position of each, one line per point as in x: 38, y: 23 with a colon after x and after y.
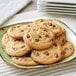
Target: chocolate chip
x: 19, y: 39
x: 12, y: 29
x: 70, y: 48
x: 15, y: 40
x: 63, y: 40
x: 18, y: 26
x: 44, y: 29
x: 56, y: 55
x: 50, y: 24
x: 36, y: 53
x: 53, y: 25
x: 55, y: 45
x: 47, y: 35
x: 37, y: 40
x: 17, y: 57
x: 46, y: 53
x: 22, y: 30
x: 39, y: 36
x: 13, y: 48
x: 41, y: 20
x: 28, y: 36
x: 28, y: 25
x: 52, y: 40
x: 65, y: 50
x: 23, y: 46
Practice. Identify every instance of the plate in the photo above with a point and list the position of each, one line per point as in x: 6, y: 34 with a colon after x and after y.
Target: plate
x: 57, y: 12
x: 57, y: 4
x: 70, y: 37
x: 56, y: 8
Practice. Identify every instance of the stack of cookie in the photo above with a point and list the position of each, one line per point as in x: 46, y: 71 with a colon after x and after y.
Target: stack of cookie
x: 41, y: 42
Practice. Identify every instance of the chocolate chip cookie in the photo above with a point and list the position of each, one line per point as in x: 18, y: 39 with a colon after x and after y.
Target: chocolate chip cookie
x: 39, y: 37
x: 67, y: 49
x: 25, y: 61
x: 18, y: 30
x: 61, y: 39
x: 53, y: 26
x: 6, y: 38
x: 47, y: 56
x: 17, y: 48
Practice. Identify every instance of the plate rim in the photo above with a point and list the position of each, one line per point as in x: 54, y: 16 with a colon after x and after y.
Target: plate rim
x: 45, y: 66
x: 58, y: 2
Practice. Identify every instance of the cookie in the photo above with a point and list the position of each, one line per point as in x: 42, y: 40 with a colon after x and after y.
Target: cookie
x: 18, y: 30
x: 36, y: 22
x: 5, y: 39
x: 47, y: 56
x: 67, y: 49
x: 53, y: 26
x: 39, y: 37
x: 25, y: 61
x: 17, y: 48
x: 61, y: 39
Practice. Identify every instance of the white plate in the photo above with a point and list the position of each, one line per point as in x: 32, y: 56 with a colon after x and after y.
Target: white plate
x: 59, y: 1
x: 59, y: 8
x: 57, y: 12
x: 56, y: 5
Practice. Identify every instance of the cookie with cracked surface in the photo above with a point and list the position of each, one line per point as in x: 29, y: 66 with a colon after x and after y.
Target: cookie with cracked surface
x: 39, y: 37
x: 47, y: 56
x: 67, y: 49
x: 53, y: 26
x: 17, y: 48
x: 25, y: 61
x: 18, y: 30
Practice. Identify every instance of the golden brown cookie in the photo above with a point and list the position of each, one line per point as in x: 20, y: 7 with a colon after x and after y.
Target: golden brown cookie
x: 17, y: 48
x: 18, y: 30
x: 61, y: 39
x: 25, y: 61
x: 39, y: 37
x: 6, y: 38
x: 67, y: 49
x: 47, y: 56
x: 53, y: 26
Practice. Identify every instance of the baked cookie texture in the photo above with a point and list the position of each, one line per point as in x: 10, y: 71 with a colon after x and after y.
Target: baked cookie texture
x: 61, y: 39
x: 17, y: 48
x: 67, y: 49
x: 54, y: 27
x: 47, y: 56
x: 18, y: 31
x: 39, y: 37
x: 25, y: 61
